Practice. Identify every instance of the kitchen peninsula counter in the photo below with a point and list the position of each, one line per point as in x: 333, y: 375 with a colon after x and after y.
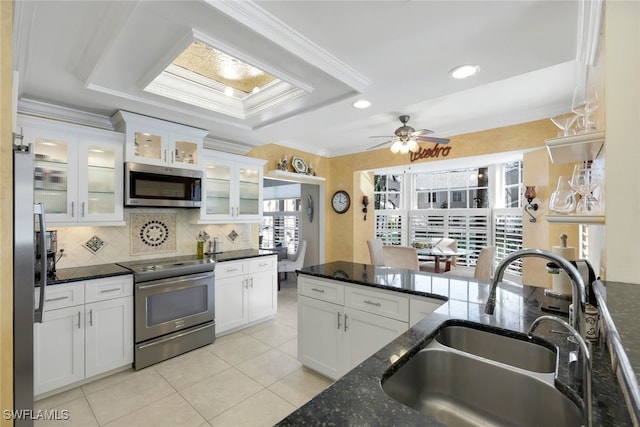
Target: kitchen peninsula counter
x: 358, y: 399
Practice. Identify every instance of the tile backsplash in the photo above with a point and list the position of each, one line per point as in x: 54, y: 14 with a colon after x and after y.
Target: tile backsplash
x: 117, y: 242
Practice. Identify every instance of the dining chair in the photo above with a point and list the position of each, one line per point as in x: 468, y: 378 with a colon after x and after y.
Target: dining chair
x: 401, y: 257
x: 294, y: 263
x: 483, y: 268
x: 375, y: 251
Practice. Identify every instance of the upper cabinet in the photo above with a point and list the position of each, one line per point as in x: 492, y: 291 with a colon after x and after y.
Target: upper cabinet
x: 158, y: 142
x: 232, y: 188
x: 78, y: 172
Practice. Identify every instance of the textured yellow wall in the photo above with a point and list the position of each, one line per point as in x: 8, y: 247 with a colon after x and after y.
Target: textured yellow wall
x: 540, y: 172
x: 6, y: 214
x: 346, y: 234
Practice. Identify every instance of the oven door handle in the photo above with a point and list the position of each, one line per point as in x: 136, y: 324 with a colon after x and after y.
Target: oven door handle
x: 173, y: 281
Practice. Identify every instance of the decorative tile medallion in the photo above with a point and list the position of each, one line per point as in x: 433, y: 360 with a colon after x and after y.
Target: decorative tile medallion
x: 94, y: 244
x: 232, y: 236
x: 153, y: 233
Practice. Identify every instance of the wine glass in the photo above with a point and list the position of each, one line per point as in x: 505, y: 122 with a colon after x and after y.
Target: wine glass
x: 584, y: 104
x: 563, y: 200
x: 584, y: 180
x: 564, y: 122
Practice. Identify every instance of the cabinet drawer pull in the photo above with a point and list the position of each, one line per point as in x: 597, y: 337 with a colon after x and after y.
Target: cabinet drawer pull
x: 264, y: 264
x: 231, y: 270
x: 345, y: 322
x: 91, y: 317
x: 339, y: 325
x: 318, y: 290
x: 377, y: 304
x: 104, y: 291
x: 82, y: 210
x: 73, y: 209
x: 79, y: 326
x: 56, y: 299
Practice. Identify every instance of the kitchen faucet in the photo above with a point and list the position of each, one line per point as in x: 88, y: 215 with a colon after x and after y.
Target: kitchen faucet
x: 587, y: 368
x: 578, y: 290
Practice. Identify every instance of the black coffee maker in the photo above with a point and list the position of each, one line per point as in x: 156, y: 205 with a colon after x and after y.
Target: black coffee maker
x: 51, y: 244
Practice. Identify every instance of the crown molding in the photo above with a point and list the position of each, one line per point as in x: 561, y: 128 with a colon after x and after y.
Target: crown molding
x: 226, y: 146
x: 590, y: 16
x: 30, y: 107
x: 23, y: 17
x: 257, y: 19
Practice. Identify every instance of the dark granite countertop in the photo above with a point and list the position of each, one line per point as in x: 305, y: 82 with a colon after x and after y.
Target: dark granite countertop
x: 75, y: 274
x: 241, y: 254
x: 357, y: 398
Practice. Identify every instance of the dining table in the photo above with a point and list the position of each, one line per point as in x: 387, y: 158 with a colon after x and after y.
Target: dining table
x: 440, y: 253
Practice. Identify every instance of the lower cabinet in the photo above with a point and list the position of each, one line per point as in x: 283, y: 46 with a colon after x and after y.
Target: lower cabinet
x: 340, y: 325
x: 87, y: 330
x: 246, y: 292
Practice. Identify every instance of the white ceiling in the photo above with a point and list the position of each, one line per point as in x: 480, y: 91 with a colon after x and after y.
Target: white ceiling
x: 97, y: 56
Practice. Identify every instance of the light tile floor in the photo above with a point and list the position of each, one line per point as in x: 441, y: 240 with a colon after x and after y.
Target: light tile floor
x: 248, y: 378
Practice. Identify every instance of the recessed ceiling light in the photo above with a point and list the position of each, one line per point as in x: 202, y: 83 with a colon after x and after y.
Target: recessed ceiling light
x: 361, y: 103
x: 464, y: 71
x: 228, y: 91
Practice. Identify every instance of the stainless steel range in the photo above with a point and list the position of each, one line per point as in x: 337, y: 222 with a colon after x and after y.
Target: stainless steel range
x: 173, y: 307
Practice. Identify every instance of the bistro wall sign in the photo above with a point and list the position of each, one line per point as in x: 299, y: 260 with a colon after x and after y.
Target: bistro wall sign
x: 435, y: 151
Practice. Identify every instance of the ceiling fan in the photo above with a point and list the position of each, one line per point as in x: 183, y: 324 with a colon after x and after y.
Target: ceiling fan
x: 406, y: 138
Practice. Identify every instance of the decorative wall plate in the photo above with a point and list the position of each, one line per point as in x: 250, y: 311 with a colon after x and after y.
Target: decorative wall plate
x: 299, y: 165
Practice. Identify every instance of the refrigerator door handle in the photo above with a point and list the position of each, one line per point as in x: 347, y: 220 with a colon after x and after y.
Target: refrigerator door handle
x: 38, y: 209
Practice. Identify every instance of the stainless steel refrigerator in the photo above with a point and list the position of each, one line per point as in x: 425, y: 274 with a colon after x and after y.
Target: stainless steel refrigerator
x: 28, y: 219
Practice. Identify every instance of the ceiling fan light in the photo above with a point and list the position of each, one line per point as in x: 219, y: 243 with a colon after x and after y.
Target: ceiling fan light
x: 395, y: 147
x: 413, y: 145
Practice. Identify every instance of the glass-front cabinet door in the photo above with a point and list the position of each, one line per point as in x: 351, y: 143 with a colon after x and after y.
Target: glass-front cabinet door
x: 249, y: 186
x: 100, y: 186
x: 217, y: 189
x: 149, y: 147
x: 55, y: 175
x: 232, y: 188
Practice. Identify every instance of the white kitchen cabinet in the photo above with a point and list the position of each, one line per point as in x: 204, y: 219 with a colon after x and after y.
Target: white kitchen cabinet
x: 87, y: 330
x: 340, y: 325
x: 367, y: 333
x: 232, y: 188
x: 157, y: 142
x: 78, y: 172
x: 58, y: 349
x: 246, y: 292
x: 108, y: 324
x: 321, y: 335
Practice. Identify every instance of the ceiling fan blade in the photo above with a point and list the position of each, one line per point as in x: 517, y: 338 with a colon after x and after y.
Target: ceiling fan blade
x: 379, y: 145
x: 421, y: 132
x: 381, y: 136
x: 432, y: 139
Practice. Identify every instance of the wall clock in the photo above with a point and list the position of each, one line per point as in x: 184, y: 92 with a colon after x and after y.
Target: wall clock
x: 340, y: 201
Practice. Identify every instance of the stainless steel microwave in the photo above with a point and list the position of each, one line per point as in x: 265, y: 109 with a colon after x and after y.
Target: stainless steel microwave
x: 161, y: 186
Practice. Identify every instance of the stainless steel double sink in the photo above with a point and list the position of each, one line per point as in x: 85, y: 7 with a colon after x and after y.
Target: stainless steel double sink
x: 470, y: 376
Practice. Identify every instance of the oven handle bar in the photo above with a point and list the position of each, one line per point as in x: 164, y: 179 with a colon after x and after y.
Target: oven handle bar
x: 175, y: 280
x: 173, y: 337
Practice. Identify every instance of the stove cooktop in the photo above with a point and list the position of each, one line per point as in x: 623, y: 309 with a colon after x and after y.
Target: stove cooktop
x: 158, y: 268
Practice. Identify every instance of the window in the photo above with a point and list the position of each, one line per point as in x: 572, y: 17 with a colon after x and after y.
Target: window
x: 455, y: 189
x: 388, y: 191
x: 464, y: 204
x: 281, y: 224
x: 513, y: 184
